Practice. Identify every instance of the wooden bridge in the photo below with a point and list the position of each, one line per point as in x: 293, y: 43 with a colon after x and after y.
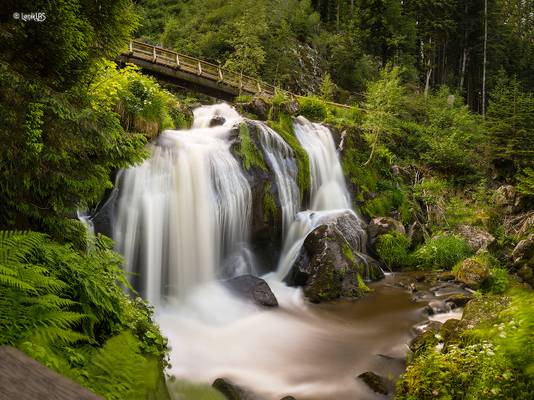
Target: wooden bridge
x: 197, y: 75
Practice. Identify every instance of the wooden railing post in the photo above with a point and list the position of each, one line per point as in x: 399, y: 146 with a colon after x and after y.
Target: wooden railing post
x: 177, y: 60
x: 259, y: 88
x: 154, y: 55
x: 130, y: 47
x: 220, y: 75
x: 199, y: 68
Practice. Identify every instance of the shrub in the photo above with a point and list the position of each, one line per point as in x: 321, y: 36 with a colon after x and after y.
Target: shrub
x: 441, y: 252
x: 393, y: 250
x: 67, y: 310
x: 313, y: 108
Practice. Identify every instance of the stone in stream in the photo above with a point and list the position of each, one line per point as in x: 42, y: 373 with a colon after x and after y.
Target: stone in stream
x: 375, y: 382
x: 232, y: 391
x: 458, y: 299
x: 330, y: 264
x: 217, y: 120
x: 252, y: 288
x: 437, y: 307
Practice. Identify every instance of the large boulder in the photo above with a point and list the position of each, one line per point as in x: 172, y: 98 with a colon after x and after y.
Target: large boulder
x: 252, y: 288
x: 472, y: 273
x: 381, y: 225
x: 330, y: 264
x: 477, y: 239
x: 258, y: 106
x: 266, y: 224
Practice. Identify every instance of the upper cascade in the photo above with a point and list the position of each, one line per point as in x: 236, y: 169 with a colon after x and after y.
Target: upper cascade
x: 185, y: 210
x: 328, y: 188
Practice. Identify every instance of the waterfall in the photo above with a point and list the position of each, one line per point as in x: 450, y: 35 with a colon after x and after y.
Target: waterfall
x: 328, y: 191
x: 186, y: 209
x: 281, y: 159
x: 327, y: 187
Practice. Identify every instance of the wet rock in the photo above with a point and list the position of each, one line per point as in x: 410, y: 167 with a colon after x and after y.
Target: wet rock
x: 288, y: 398
x: 477, y: 239
x: 252, y: 288
x: 217, y: 121
x: 458, y: 299
x: 426, y: 338
x: 449, y: 330
x: 483, y: 309
x: 266, y: 226
x: 328, y: 266
x: 232, y: 391
x: 375, y: 382
x: 257, y: 106
x: 472, y: 273
x: 437, y: 307
x: 381, y: 225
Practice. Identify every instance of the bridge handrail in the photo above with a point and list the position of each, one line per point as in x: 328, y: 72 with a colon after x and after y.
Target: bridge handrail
x: 171, y: 58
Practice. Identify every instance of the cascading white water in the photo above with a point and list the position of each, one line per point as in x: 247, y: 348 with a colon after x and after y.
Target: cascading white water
x: 328, y: 192
x: 185, y: 209
x: 327, y: 187
x: 281, y: 158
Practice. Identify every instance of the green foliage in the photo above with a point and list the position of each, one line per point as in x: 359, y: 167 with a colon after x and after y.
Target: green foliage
x: 393, y: 250
x: 441, y: 252
x: 68, y: 310
x: 525, y: 184
x: 327, y: 88
x: 382, y: 101
x: 247, y: 150
x: 187, y: 390
x: 495, y: 360
x: 498, y: 281
x: 313, y: 108
x: 510, y: 124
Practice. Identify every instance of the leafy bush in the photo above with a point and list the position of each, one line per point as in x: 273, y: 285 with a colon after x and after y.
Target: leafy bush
x: 313, y: 108
x: 393, y: 250
x: 494, y: 359
x: 68, y: 310
x: 441, y: 252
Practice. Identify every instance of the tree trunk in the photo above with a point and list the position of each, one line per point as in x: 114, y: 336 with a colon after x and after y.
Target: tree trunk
x: 484, y: 62
x: 462, y: 70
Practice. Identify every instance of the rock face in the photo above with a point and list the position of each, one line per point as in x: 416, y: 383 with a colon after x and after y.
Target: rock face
x: 257, y: 106
x: 266, y: 228
x: 232, y: 391
x: 472, y: 273
x: 477, y: 239
x: 506, y: 197
x: 375, y: 382
x: 523, y: 259
x: 253, y: 288
x: 330, y: 264
x: 381, y: 225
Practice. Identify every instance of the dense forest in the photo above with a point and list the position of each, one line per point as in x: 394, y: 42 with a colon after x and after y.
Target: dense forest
x: 435, y: 138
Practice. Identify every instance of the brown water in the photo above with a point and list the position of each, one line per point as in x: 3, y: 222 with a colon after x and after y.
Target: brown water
x: 313, y: 352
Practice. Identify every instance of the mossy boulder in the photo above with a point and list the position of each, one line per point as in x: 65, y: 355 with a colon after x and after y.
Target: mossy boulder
x: 477, y: 238
x: 375, y: 382
x: 382, y: 225
x: 483, y: 311
x: 523, y: 259
x: 472, y: 273
x: 330, y: 264
x: 266, y: 221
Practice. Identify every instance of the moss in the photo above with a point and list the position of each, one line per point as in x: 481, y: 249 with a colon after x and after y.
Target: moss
x: 270, y: 211
x: 392, y: 248
x: 347, y: 252
x: 284, y: 127
x: 247, y: 150
x: 361, y: 284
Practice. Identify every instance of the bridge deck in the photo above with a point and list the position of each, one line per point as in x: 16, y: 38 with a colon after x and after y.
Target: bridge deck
x: 197, y: 74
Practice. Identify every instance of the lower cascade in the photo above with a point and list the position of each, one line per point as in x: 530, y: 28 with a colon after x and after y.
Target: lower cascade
x: 182, y: 220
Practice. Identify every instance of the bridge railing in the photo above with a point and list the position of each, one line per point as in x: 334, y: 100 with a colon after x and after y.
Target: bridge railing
x: 243, y: 83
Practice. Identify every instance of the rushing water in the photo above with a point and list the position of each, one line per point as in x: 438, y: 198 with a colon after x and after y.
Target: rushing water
x: 282, y: 161
x: 183, y: 221
x: 184, y: 210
